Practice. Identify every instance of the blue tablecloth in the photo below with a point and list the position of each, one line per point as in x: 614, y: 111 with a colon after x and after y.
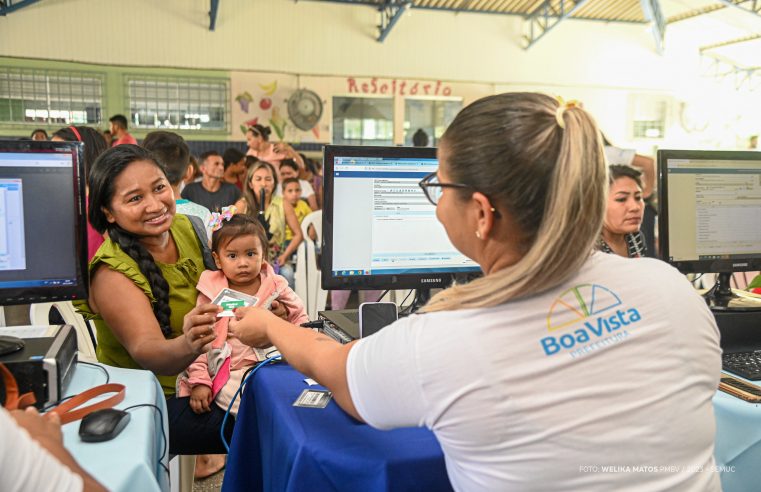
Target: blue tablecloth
x: 279, y: 447
x: 738, y: 442
x: 130, y: 461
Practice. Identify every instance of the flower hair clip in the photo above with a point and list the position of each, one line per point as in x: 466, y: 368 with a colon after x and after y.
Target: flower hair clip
x: 218, y: 218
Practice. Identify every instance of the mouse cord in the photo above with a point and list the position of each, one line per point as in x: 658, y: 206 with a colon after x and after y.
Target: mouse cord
x: 163, y: 435
x: 249, y: 374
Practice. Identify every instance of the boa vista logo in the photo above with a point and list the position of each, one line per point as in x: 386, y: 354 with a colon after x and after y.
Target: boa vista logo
x: 596, y: 311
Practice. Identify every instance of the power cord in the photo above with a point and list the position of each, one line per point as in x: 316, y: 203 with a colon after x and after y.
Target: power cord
x: 235, y: 396
x: 108, y: 376
x: 164, y: 439
x: 56, y: 403
x: 406, y: 310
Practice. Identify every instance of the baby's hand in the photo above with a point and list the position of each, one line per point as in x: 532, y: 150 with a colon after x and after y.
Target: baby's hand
x: 279, y: 309
x: 200, y: 398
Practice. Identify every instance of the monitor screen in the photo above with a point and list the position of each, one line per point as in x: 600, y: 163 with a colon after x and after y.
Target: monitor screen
x: 710, y: 210
x: 380, y: 231
x: 43, y: 249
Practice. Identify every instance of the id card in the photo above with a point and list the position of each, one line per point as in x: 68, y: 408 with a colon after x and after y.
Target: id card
x: 230, y: 299
x: 310, y: 398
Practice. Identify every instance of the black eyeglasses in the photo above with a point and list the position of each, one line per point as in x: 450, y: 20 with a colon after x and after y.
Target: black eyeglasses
x: 433, y: 189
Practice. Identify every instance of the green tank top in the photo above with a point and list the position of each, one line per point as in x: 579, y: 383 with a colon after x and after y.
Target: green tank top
x: 182, y: 278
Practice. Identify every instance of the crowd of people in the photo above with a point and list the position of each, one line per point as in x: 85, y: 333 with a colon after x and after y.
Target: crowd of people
x: 523, y: 188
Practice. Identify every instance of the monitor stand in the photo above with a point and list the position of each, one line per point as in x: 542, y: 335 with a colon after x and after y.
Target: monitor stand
x: 721, y: 297
x: 422, y: 296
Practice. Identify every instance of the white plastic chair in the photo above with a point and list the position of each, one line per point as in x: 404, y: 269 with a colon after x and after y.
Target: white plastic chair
x: 38, y: 315
x: 308, y: 276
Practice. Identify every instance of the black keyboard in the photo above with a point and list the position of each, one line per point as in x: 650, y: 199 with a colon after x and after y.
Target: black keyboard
x: 745, y: 364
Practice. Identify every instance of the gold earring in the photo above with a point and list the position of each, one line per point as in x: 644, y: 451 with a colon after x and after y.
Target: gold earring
x: 478, y: 234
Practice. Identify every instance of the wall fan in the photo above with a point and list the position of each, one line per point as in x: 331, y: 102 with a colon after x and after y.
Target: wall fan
x: 304, y: 109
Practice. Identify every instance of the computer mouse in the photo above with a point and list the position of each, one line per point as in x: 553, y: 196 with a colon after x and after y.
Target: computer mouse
x: 103, y: 425
x: 9, y: 344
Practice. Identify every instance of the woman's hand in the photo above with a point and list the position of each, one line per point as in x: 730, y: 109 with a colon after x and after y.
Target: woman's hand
x: 200, y: 398
x: 282, y: 260
x: 279, y: 309
x: 39, y: 427
x: 198, y: 327
x: 250, y: 326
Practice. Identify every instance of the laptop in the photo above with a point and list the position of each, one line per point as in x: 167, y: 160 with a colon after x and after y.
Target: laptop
x: 341, y: 325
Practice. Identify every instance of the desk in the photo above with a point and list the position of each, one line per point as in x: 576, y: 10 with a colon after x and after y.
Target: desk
x: 738, y: 442
x: 131, y: 460
x: 279, y: 447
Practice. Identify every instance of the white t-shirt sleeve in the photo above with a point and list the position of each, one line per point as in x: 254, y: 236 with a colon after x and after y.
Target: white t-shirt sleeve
x: 383, y: 378
x: 619, y: 157
x: 27, y: 466
x: 306, y: 188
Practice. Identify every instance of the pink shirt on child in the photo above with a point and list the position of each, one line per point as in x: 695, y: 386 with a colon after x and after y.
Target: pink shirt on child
x: 242, y: 356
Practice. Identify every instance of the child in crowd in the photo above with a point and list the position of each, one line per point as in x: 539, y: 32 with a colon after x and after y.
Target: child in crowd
x: 292, y: 194
x: 289, y: 169
x: 239, y: 248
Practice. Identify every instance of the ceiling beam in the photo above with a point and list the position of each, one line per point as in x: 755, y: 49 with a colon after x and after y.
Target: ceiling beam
x: 8, y: 6
x: 729, y: 42
x: 213, y: 14
x: 752, y: 6
x: 694, y: 13
x: 390, y: 13
x: 546, y: 16
x: 722, y: 68
x: 654, y: 16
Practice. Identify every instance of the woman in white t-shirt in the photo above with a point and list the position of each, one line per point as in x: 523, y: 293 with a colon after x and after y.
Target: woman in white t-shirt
x: 560, y: 369
x: 33, y: 457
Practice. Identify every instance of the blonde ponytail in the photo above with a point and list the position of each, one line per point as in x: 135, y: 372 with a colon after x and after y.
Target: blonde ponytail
x: 552, y: 179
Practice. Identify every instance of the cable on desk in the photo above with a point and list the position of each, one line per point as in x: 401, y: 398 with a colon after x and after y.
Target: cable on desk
x: 56, y: 403
x: 164, y: 439
x: 250, y: 373
x: 53, y: 404
x: 108, y: 376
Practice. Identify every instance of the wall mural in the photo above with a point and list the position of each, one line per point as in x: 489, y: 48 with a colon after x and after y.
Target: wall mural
x: 293, y: 114
x: 298, y: 108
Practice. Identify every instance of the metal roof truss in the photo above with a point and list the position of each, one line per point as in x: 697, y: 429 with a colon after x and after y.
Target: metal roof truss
x: 546, y: 16
x: 752, y: 6
x: 8, y: 6
x: 390, y: 12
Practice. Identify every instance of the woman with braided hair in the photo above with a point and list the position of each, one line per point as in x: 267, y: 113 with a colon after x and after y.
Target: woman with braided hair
x: 142, y: 286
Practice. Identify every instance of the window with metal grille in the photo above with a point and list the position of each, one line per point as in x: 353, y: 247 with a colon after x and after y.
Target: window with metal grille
x: 433, y: 116
x: 649, y: 114
x: 183, y: 103
x: 50, y: 97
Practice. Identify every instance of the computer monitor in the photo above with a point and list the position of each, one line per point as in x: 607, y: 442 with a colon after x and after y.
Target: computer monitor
x: 43, y: 245
x: 379, y: 229
x: 710, y: 214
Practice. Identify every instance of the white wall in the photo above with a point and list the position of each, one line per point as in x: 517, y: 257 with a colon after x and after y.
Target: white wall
x: 603, y: 64
x: 331, y: 39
